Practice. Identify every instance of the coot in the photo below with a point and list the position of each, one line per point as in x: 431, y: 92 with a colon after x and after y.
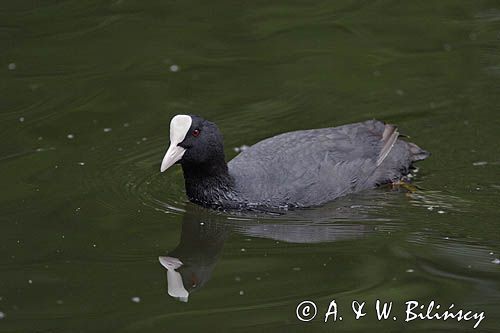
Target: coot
x: 291, y: 170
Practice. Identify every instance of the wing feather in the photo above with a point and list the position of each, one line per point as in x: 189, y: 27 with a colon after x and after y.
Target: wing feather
x: 389, y: 138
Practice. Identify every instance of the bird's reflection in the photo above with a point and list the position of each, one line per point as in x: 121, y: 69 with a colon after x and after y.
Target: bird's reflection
x: 190, y: 265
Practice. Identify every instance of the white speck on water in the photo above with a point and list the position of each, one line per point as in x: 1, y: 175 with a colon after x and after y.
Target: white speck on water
x: 94, y: 245
x: 430, y: 208
x: 440, y: 211
x: 410, y: 270
x: 2, y: 315
x: 77, y: 209
x: 447, y: 238
x: 242, y: 293
x: 126, y: 125
x: 120, y: 149
x: 40, y: 138
x: 136, y: 299
x: 491, y: 253
x: 70, y: 136
x: 174, y: 68
x: 107, y: 129
x: 59, y: 302
x: 241, y: 148
x: 144, y: 139
x: 62, y: 236
x: 81, y: 163
x: 12, y: 66
x: 258, y: 278
x: 478, y: 188
x: 243, y: 250
x: 202, y: 223
x: 30, y: 281
x: 496, y: 261
x: 21, y: 119
x: 479, y: 163
x: 237, y: 279
x: 296, y: 269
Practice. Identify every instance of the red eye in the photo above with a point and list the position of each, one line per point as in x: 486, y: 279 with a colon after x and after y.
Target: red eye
x: 196, y: 132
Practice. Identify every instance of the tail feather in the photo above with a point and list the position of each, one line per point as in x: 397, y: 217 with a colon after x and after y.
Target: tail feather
x: 417, y: 153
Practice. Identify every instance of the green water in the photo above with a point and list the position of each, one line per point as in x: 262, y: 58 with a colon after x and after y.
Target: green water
x: 87, y: 90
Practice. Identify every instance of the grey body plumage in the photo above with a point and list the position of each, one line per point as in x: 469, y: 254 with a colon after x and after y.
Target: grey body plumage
x: 311, y: 167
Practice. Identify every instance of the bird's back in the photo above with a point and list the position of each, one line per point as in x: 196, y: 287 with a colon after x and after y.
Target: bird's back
x: 311, y: 167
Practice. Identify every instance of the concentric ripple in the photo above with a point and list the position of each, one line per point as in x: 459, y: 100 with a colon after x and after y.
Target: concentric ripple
x: 132, y: 174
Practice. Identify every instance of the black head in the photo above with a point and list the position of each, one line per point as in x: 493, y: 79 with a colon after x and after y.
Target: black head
x: 194, y: 142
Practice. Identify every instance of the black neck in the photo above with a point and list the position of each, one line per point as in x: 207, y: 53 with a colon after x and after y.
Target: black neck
x: 208, y: 184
